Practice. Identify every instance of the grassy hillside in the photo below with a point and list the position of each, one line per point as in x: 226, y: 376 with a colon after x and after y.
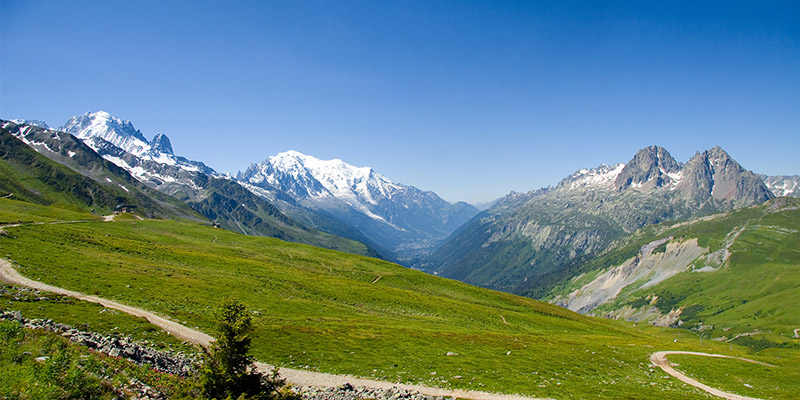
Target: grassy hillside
x: 747, y: 281
x: 336, y: 312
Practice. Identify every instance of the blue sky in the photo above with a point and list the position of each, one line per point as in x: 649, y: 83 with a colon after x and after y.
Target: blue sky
x: 470, y: 99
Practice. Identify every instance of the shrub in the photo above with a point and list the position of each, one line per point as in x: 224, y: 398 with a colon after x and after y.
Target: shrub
x: 228, y: 370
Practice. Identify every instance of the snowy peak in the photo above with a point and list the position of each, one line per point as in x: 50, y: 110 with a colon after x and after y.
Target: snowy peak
x: 783, y: 185
x: 161, y: 144
x: 651, y: 166
x: 304, y: 175
x: 602, y: 177
x: 116, y: 131
x: 399, y: 218
x: 118, y: 141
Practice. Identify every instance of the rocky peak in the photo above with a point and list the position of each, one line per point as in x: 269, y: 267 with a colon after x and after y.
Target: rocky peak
x: 715, y: 175
x: 651, y: 166
x: 161, y: 144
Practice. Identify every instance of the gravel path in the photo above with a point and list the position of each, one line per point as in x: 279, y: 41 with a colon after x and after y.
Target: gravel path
x: 660, y: 360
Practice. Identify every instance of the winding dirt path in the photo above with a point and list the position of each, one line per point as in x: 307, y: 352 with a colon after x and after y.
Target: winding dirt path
x: 10, y: 275
x: 297, y: 377
x: 660, y: 360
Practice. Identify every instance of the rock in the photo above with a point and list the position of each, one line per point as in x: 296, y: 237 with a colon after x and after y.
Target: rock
x: 164, y: 361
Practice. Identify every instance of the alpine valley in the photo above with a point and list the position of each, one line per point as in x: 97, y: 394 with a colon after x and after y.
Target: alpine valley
x: 524, y: 243
x: 705, y: 245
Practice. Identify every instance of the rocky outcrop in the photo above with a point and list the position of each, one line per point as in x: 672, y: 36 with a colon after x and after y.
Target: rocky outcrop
x: 349, y: 392
x: 165, y: 361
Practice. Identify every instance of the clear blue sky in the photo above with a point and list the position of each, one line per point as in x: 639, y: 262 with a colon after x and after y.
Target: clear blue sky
x: 471, y: 99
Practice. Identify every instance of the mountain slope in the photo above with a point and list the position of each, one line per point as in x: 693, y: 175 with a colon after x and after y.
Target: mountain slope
x: 528, y: 241
x: 730, y: 274
x: 215, y: 196
x: 402, y: 219
x: 85, y: 180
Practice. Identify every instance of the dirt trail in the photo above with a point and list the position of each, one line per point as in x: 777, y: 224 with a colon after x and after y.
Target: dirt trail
x: 10, y: 276
x: 660, y: 360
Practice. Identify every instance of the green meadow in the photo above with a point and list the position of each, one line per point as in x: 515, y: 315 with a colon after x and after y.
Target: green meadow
x: 334, y: 312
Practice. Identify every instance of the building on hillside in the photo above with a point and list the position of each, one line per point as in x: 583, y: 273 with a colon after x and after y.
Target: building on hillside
x: 124, y: 209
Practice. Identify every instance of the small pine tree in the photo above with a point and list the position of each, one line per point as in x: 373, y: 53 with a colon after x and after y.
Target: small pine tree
x: 228, y: 371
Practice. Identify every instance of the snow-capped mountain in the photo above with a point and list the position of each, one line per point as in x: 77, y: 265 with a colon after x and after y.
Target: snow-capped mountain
x: 401, y: 219
x: 118, y: 141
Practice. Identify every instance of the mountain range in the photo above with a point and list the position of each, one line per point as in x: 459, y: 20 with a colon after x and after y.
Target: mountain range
x: 289, y: 191
x: 104, y: 176
x: 48, y: 167
x: 523, y: 242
